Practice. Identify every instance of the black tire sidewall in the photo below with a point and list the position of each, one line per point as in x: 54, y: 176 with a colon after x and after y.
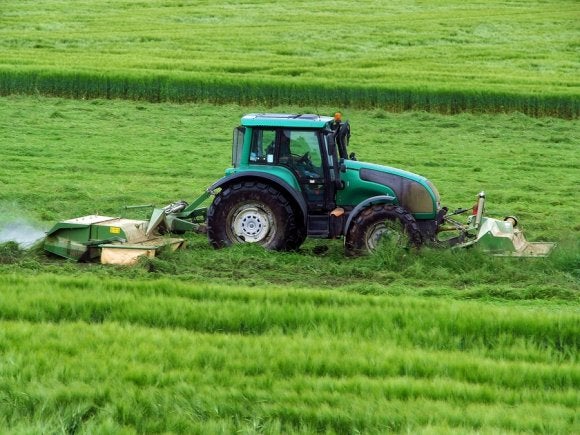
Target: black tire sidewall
x: 356, y: 243
x: 220, y: 215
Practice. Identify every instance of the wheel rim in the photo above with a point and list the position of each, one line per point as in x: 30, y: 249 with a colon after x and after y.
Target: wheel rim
x: 382, y: 232
x: 252, y: 223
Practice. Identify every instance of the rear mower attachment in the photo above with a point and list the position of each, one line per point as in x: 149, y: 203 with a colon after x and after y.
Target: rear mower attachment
x: 112, y: 240
x: 115, y: 240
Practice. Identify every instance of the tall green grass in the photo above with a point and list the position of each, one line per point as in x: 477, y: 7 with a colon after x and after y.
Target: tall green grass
x: 189, y: 357
x: 399, y: 320
x: 163, y: 88
x: 449, y: 56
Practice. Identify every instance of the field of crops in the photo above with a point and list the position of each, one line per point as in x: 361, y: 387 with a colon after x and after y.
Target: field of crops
x: 446, y: 56
x: 205, y: 341
x: 107, y: 103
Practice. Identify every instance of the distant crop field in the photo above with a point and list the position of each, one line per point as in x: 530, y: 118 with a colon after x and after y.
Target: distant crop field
x: 448, y: 56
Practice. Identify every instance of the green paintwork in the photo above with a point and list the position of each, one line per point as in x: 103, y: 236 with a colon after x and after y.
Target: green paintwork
x: 74, y: 238
x: 193, y: 208
x: 357, y: 190
x: 278, y: 171
x: 285, y: 120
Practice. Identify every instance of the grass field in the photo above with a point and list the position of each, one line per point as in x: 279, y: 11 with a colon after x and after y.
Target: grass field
x: 447, y: 56
x: 88, y: 354
x: 244, y: 340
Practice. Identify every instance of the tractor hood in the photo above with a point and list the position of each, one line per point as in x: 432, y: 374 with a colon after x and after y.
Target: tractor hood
x: 414, y: 192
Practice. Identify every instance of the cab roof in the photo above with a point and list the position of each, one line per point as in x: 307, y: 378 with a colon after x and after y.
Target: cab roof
x: 285, y: 120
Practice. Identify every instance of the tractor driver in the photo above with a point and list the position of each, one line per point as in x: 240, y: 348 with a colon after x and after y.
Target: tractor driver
x: 335, y: 124
x: 342, y: 135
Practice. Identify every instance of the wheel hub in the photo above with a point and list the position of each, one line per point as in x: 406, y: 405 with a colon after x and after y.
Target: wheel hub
x: 251, y: 224
x: 381, y: 232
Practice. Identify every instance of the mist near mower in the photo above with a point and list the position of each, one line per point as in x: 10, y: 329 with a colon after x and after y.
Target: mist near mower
x: 20, y: 231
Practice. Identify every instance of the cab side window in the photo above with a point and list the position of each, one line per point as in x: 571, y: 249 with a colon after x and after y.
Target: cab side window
x: 262, y: 146
x: 305, y: 152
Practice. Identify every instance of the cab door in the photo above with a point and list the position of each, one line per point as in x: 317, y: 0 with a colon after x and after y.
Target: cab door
x: 301, y: 151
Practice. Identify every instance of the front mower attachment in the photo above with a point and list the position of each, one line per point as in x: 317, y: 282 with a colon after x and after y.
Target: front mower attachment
x: 498, y: 237
x: 502, y: 238
x: 112, y: 240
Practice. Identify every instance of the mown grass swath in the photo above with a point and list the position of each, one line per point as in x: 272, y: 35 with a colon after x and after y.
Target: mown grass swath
x: 450, y: 56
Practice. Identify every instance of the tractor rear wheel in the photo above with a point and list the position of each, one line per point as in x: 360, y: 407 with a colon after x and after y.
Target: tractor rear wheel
x: 252, y: 212
x: 382, y: 224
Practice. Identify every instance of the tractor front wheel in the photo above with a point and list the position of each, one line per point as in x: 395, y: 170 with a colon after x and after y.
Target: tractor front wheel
x: 252, y: 212
x: 382, y: 224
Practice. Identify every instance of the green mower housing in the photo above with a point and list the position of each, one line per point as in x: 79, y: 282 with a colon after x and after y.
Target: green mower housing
x: 110, y: 239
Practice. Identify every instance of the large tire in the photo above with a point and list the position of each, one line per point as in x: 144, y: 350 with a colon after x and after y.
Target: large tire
x: 252, y: 212
x: 382, y: 223
x: 295, y: 242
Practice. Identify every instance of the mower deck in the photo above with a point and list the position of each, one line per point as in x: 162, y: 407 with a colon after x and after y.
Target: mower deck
x: 112, y: 240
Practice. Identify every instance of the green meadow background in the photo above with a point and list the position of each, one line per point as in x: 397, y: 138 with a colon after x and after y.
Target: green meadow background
x: 106, y: 104
x: 447, y: 56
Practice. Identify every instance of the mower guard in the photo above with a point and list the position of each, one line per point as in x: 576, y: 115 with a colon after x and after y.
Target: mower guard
x: 501, y: 238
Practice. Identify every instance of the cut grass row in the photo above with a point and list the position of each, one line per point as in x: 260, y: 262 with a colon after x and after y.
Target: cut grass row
x: 445, y: 56
x: 339, y: 370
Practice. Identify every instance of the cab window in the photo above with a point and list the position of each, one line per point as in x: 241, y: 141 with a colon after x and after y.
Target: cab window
x: 262, y: 146
x: 300, y: 150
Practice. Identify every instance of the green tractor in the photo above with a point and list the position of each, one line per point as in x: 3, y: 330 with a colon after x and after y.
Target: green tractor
x: 292, y: 178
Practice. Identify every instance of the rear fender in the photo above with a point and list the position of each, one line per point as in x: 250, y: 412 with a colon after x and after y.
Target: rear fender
x: 380, y: 199
x: 272, y: 180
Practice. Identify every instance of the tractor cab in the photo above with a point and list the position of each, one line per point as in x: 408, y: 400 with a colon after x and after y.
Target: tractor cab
x: 298, y: 149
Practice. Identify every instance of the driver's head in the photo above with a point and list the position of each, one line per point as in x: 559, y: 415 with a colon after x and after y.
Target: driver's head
x: 337, y: 116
